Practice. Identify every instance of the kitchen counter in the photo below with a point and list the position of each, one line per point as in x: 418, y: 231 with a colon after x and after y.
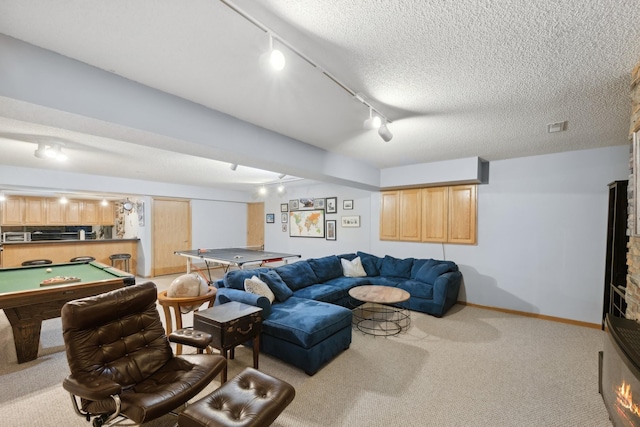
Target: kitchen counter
x: 35, y: 242
x: 61, y: 251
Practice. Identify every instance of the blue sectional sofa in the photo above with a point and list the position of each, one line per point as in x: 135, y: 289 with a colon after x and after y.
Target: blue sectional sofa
x: 309, y: 322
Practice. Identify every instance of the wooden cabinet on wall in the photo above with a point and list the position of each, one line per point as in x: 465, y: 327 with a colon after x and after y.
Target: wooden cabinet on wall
x: 34, y: 211
x: 24, y: 211
x: 49, y: 211
x: 13, y: 211
x: 389, y: 220
x: 434, y: 215
x: 90, y: 215
x: 107, y: 214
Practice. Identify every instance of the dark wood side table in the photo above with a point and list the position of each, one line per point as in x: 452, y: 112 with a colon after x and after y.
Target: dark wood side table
x: 230, y: 325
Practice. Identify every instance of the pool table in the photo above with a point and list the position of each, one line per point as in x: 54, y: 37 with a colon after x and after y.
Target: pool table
x: 27, y: 303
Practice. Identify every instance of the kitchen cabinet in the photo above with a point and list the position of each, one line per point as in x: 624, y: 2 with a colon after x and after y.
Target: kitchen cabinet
x: 107, y: 214
x: 13, y: 211
x: 34, y: 211
x: 73, y: 212
x: 90, y: 212
x: 55, y: 212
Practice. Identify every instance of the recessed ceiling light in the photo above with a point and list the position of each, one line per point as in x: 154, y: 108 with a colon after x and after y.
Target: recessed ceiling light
x: 557, y: 127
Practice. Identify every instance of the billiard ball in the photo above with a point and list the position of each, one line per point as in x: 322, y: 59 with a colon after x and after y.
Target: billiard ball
x: 49, y: 270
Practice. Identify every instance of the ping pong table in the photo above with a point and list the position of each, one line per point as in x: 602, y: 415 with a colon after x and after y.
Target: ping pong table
x: 236, y: 257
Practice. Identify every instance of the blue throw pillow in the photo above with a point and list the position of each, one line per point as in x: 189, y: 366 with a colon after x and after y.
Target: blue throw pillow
x: 234, y: 279
x: 429, y: 272
x: 371, y: 263
x: 297, y: 275
x: 326, y: 268
x: 277, y: 286
x: 394, y: 267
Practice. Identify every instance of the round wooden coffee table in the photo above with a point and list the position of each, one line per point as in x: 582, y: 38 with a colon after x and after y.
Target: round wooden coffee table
x: 382, y: 313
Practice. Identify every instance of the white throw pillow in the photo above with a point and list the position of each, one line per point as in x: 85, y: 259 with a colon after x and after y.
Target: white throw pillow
x: 352, y: 268
x: 258, y: 287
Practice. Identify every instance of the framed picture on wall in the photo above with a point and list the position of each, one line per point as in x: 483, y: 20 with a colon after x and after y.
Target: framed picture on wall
x: 331, y: 229
x: 284, y: 217
x: 271, y: 218
x: 347, y: 205
x: 351, y: 221
x: 284, y: 207
x: 318, y: 203
x: 331, y: 205
x: 306, y: 203
x: 293, y: 205
x: 284, y: 227
x: 307, y: 223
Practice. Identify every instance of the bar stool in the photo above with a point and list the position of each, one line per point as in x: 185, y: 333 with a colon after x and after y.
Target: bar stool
x: 178, y: 304
x: 82, y: 259
x: 120, y: 257
x: 38, y: 262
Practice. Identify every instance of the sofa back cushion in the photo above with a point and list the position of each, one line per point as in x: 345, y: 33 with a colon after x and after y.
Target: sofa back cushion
x: 326, y: 268
x: 395, y: 267
x: 371, y: 263
x: 234, y: 279
x: 277, y: 286
x: 430, y: 271
x: 297, y: 275
x: 349, y: 256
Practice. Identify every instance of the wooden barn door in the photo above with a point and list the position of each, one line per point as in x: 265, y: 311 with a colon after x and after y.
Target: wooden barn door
x: 171, y: 232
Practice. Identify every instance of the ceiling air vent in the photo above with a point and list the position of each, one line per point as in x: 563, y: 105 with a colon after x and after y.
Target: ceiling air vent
x: 557, y: 127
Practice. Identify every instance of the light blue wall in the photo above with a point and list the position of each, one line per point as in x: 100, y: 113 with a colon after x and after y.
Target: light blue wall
x: 541, y: 233
x: 542, y: 225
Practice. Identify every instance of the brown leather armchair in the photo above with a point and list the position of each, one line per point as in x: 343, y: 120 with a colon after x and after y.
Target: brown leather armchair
x: 121, y: 361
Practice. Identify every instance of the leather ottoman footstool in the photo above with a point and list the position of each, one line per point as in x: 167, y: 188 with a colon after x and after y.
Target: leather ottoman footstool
x: 252, y: 398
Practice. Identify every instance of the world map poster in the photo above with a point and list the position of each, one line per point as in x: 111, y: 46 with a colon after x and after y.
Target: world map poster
x: 306, y: 223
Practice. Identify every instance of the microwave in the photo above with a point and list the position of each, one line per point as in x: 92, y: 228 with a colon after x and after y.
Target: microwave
x: 16, y: 236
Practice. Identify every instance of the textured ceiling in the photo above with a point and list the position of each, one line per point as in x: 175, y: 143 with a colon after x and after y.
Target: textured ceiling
x: 457, y: 79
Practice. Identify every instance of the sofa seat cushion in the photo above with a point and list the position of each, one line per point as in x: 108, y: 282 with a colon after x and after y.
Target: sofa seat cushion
x: 320, y: 292
x: 234, y: 279
x: 305, y: 322
x: 326, y: 268
x: 383, y: 281
x: 297, y: 275
x: 346, y: 283
x: 417, y: 289
x: 396, y: 267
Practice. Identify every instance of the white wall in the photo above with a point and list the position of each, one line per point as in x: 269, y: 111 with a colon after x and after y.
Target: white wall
x: 541, y: 229
x: 541, y: 234
x: 348, y: 239
x: 218, y: 224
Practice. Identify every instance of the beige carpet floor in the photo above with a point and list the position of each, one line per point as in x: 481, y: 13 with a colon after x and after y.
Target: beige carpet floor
x: 473, y: 367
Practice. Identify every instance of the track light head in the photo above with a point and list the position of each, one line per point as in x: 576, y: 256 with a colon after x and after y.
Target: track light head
x: 50, y: 151
x: 233, y: 166
x: 276, y: 57
x: 385, y: 133
x: 373, y: 122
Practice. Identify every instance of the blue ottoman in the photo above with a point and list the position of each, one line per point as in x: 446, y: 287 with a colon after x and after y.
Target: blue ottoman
x: 306, y: 333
